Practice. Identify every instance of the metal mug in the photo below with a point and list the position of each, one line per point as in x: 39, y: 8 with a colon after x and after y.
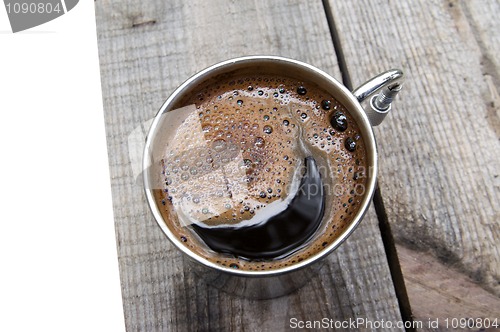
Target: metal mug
x: 380, y: 91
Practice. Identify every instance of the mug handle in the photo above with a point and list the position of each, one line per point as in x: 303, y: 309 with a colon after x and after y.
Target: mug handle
x: 391, y: 83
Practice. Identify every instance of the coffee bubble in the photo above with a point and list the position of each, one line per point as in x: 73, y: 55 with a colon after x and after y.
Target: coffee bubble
x: 326, y: 105
x: 349, y: 144
x: 339, y: 121
x: 268, y: 129
x: 259, y: 142
x: 301, y: 90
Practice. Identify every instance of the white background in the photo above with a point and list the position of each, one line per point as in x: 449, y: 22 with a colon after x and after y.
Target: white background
x: 58, y: 263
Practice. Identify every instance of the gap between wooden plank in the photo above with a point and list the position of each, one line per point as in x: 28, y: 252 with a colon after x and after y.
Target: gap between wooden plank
x: 385, y: 229
x: 392, y: 258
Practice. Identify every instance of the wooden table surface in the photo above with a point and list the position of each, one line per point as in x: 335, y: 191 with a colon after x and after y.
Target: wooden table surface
x: 428, y: 247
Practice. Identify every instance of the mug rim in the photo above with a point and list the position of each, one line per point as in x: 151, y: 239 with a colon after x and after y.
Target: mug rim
x: 226, y: 66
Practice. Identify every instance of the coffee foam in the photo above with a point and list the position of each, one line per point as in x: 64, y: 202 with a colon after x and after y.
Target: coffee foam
x: 235, y: 158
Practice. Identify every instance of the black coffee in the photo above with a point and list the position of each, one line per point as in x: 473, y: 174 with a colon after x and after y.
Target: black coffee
x: 260, y: 172
x: 281, y: 233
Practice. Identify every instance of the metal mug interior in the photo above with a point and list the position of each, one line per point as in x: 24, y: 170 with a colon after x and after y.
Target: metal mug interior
x: 280, y: 281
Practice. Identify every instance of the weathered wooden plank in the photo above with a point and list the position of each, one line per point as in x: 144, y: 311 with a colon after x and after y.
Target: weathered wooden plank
x: 146, y: 50
x: 450, y: 294
x: 439, y: 150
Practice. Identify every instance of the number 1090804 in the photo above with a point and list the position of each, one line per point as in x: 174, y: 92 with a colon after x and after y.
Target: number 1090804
x: 33, y: 8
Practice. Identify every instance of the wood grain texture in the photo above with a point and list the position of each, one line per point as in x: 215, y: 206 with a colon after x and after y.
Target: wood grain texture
x: 450, y: 293
x: 146, y: 50
x: 439, y: 149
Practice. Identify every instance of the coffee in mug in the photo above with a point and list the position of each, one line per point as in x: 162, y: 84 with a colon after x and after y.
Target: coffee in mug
x: 262, y: 172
